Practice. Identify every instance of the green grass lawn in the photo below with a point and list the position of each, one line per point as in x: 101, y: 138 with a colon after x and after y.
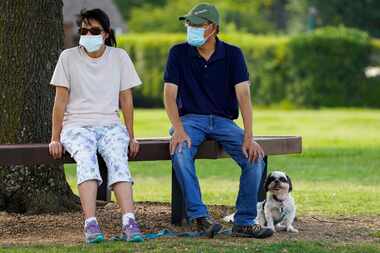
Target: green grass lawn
x: 202, y: 245
x: 337, y: 173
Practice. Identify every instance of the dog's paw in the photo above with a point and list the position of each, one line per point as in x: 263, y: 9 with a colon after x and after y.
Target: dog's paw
x: 292, y: 229
x: 229, y: 218
x: 272, y: 228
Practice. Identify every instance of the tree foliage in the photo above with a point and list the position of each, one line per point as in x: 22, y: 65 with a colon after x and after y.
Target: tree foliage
x: 255, y: 16
x: 259, y: 16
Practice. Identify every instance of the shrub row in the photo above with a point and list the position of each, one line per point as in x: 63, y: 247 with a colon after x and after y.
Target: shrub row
x: 320, y: 69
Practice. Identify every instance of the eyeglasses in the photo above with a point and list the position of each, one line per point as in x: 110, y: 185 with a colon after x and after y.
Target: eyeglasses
x: 204, y: 25
x: 92, y: 30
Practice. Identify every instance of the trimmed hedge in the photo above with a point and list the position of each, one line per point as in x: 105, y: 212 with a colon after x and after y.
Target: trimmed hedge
x: 149, y: 54
x: 323, y: 68
x: 327, y: 67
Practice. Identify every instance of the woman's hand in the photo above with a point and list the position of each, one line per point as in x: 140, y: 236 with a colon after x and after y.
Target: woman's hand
x: 134, y: 147
x: 56, y: 149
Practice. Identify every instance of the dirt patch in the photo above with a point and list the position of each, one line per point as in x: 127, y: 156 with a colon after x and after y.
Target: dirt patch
x: 66, y: 228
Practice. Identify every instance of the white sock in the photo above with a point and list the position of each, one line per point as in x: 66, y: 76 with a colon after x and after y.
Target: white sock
x: 126, y: 218
x: 89, y: 220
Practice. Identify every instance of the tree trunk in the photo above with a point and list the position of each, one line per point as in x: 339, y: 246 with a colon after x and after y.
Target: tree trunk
x: 31, y: 38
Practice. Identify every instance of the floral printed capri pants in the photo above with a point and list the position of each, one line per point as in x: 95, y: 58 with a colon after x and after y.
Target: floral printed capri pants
x: 110, y: 141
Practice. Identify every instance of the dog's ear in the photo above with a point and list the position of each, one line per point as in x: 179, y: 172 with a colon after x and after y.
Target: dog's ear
x: 290, y: 183
x: 267, y: 182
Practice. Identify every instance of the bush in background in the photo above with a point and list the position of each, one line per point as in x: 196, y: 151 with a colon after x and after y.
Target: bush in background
x: 326, y: 67
x: 320, y: 69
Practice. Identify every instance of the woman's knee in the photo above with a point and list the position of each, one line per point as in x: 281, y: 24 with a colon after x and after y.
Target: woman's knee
x: 116, y: 135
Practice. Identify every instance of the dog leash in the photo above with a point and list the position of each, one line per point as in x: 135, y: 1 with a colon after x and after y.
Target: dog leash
x: 167, y: 234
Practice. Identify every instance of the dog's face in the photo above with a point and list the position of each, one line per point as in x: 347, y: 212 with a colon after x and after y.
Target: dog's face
x: 278, y: 182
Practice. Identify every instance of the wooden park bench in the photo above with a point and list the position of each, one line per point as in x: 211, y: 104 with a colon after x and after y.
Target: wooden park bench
x: 150, y: 150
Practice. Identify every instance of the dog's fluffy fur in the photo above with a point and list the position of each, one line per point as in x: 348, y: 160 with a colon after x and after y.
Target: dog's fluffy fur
x: 278, y: 210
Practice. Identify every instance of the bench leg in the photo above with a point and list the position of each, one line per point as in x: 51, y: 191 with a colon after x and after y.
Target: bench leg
x: 178, y: 203
x: 104, y: 193
x: 262, y: 194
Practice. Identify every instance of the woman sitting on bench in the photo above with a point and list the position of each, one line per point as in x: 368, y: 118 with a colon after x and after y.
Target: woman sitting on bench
x: 92, y: 81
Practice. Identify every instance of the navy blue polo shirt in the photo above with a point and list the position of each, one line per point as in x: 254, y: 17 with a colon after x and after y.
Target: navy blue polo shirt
x: 206, y: 87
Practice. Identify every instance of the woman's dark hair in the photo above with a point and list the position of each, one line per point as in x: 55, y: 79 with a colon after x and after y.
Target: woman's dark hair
x: 104, y: 21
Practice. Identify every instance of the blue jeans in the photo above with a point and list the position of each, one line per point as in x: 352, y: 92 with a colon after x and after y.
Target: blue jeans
x: 231, y: 137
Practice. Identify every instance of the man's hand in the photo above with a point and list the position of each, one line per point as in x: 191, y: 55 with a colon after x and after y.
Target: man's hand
x: 134, y: 147
x: 178, y: 137
x: 251, y: 149
x: 56, y: 149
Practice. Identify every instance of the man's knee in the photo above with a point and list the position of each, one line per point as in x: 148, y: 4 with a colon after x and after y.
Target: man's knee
x: 182, y: 154
x: 260, y: 162
x: 256, y: 166
x: 182, y: 149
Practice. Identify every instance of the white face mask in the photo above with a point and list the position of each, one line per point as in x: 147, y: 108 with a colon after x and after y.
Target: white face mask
x: 92, y: 43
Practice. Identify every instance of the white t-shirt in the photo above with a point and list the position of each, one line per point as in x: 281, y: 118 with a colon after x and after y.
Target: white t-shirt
x: 94, y: 85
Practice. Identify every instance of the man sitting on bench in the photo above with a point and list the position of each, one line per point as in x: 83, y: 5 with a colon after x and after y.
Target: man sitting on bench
x: 206, y: 81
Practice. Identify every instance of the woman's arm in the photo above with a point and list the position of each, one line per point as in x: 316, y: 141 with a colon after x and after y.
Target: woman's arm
x: 60, y: 102
x: 126, y: 106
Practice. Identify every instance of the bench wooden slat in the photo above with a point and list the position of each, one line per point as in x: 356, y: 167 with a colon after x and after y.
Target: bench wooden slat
x: 150, y: 150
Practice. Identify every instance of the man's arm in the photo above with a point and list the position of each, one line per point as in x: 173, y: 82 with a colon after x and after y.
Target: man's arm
x: 60, y: 102
x: 179, y: 135
x: 251, y: 149
x: 244, y: 98
x: 126, y: 106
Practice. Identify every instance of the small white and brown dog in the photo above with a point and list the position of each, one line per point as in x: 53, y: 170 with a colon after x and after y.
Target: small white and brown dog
x: 278, y: 210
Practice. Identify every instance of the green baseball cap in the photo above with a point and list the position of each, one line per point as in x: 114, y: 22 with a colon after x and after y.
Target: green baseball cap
x: 201, y: 13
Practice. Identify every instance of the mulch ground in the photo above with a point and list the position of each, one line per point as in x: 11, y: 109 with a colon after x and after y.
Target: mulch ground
x: 67, y: 228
